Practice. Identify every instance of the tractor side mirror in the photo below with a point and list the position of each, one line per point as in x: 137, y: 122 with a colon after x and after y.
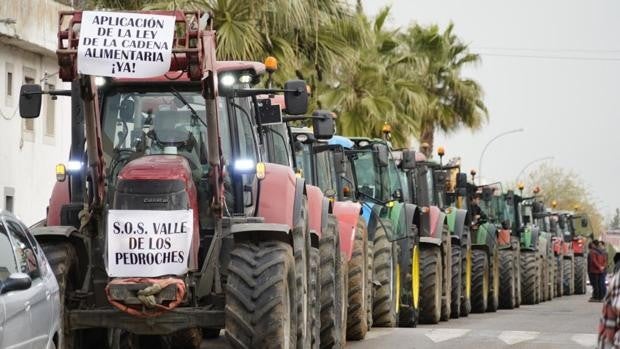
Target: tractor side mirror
x: 269, y: 114
x: 408, y: 162
x: 382, y: 157
x: 296, y: 97
x: 323, y: 124
x: 15, y: 282
x: 440, y: 177
x: 584, y: 222
x: 30, y: 101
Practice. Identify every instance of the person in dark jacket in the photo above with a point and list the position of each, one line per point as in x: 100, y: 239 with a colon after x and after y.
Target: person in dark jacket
x: 598, y: 267
x: 592, y: 275
x: 603, y: 279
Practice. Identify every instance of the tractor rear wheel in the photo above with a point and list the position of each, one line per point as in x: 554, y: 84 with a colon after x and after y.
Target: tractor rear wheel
x: 301, y: 252
x: 507, y: 280
x: 529, y: 271
x: 568, y: 281
x: 64, y: 262
x: 314, y: 289
x: 517, y: 267
x: 580, y: 275
x: 261, y: 296
x: 385, y: 269
x: 559, y: 276
x: 457, y: 288
x: 430, y: 284
x: 370, y: 286
x: 479, y: 281
x: 544, y: 280
x: 333, y: 296
x: 446, y: 282
x: 410, y: 286
x: 493, y: 302
x: 357, y: 323
x: 466, y: 281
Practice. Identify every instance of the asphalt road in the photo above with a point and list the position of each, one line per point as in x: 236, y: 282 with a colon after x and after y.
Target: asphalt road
x: 567, y: 322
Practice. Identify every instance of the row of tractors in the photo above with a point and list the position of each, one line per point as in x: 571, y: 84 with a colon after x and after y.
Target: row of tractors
x: 298, y: 238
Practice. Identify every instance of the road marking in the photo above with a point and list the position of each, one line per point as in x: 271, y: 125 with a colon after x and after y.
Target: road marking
x: 444, y: 334
x: 513, y: 337
x: 584, y: 339
x: 378, y: 332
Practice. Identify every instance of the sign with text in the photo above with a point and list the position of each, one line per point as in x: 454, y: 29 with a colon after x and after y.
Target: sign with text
x: 125, y: 45
x: 145, y: 243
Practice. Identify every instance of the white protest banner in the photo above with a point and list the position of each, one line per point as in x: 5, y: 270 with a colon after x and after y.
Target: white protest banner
x: 145, y: 243
x: 125, y: 45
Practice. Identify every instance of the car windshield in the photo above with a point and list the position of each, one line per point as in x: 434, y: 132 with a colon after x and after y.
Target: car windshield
x: 153, y: 122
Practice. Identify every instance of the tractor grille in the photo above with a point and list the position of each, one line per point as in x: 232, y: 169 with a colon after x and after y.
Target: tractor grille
x: 150, y: 194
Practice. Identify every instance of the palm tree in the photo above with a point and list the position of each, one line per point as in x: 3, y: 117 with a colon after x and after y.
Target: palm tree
x: 372, y: 89
x: 454, y: 101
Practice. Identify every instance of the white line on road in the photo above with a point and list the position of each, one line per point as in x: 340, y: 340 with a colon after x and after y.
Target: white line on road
x: 584, y: 339
x: 513, y: 337
x: 444, y: 334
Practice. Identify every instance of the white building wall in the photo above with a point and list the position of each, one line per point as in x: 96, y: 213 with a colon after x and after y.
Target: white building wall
x: 27, y: 158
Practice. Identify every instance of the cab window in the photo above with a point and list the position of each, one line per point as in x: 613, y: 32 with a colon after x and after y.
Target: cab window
x: 25, y: 252
x: 8, y: 264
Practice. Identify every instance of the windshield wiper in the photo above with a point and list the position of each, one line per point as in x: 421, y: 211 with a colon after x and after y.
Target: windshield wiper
x: 178, y: 95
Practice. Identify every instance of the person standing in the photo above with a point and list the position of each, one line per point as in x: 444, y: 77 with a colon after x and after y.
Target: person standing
x: 609, y: 324
x: 592, y: 272
x: 597, y: 269
x: 603, y: 278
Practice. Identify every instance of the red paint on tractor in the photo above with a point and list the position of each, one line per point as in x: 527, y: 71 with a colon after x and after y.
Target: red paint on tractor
x: 503, y: 237
x: 277, y: 188
x: 579, y: 246
x: 315, y: 208
x: 557, y: 245
x: 60, y: 197
x: 348, y: 214
x: 434, y: 215
x: 168, y: 167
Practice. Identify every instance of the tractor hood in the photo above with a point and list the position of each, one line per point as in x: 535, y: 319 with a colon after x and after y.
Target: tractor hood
x: 166, y: 167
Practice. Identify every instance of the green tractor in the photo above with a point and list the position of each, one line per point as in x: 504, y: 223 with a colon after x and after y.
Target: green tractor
x: 500, y: 210
x: 485, y: 255
x: 542, y: 219
x: 391, y: 230
x: 442, y: 258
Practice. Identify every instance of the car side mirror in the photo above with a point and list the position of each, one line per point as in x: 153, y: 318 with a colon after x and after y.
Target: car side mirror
x: 30, y: 101
x: 382, y: 157
x: 296, y: 97
x: 408, y: 161
x: 15, y: 282
x: 323, y: 124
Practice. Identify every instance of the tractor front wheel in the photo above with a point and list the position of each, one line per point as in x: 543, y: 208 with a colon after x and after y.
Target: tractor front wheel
x: 529, y: 268
x: 507, y: 280
x: 357, y: 323
x: 385, y: 265
x: 580, y: 275
x: 479, y: 281
x: 430, y: 284
x: 261, y: 296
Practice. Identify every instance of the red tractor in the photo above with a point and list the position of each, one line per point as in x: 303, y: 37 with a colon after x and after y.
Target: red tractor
x: 169, y: 224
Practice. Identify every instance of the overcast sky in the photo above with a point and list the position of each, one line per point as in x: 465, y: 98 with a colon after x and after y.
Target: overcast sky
x: 569, y: 105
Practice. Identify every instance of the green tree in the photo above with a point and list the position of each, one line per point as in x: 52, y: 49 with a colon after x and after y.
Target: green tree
x: 454, y: 101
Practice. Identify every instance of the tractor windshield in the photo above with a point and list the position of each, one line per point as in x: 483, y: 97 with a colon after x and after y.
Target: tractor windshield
x: 303, y: 160
x: 154, y: 122
x: 367, y: 177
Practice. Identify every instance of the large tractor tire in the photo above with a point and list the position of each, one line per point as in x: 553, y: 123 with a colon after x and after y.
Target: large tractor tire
x: 446, y: 282
x: 410, y: 283
x: 370, y: 286
x: 64, y: 263
x: 457, y: 287
x: 529, y: 272
x: 261, y: 296
x: 333, y: 287
x: 544, y: 280
x: 517, y: 267
x: 568, y: 282
x: 315, y: 298
x: 493, y: 301
x: 507, y: 280
x: 580, y: 275
x: 357, y: 322
x: 387, y: 274
x: 479, y: 281
x: 466, y: 264
x: 559, y: 279
x: 301, y: 252
x: 430, y: 284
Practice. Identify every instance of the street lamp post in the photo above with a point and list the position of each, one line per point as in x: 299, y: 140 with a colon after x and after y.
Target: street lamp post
x: 487, y: 145
x: 531, y: 163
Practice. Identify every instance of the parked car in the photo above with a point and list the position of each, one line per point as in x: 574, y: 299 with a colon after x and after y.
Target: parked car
x: 29, y: 297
